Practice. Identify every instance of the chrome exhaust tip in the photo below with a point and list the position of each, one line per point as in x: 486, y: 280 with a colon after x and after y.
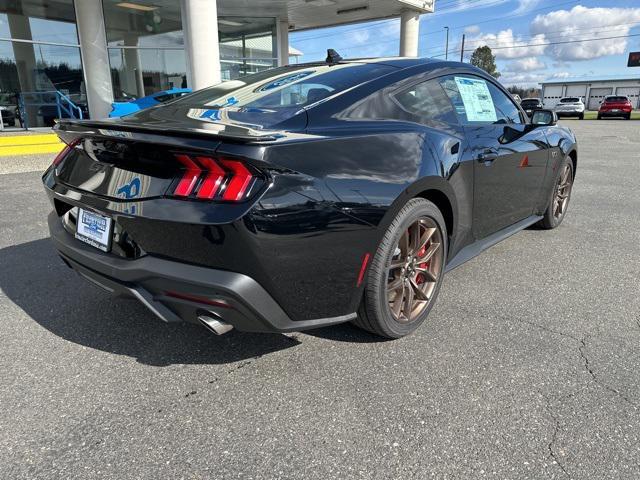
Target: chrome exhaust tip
x: 214, y: 325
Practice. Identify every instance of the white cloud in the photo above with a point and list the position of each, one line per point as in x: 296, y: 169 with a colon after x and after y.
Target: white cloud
x: 522, y: 79
x: 525, y: 65
x: 561, y: 75
x: 461, y: 5
x: 507, y: 45
x: 526, y: 5
x: 472, y: 30
x: 582, y: 22
x: 358, y: 37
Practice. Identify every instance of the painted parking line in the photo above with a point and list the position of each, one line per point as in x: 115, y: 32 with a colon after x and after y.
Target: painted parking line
x: 29, y: 144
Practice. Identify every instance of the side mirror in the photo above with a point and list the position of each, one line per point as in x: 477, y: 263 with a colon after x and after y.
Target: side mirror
x: 544, y: 117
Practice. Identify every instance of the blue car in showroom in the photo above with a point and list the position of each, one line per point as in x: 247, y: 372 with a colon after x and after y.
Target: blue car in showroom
x: 120, y: 109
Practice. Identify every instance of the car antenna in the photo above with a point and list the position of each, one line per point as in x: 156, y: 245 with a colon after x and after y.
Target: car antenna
x: 332, y: 57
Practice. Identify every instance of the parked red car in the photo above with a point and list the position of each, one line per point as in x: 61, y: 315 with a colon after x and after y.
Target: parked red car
x: 615, y: 106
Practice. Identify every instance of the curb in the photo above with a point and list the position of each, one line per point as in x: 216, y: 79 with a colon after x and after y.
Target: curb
x: 29, y: 144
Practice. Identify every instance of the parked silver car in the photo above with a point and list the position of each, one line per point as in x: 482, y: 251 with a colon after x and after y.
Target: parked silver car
x: 570, y: 107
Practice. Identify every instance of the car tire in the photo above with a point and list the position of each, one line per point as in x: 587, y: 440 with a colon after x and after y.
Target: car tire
x: 419, y: 219
x: 581, y: 117
x: 599, y: 117
x: 628, y: 117
x: 555, y: 212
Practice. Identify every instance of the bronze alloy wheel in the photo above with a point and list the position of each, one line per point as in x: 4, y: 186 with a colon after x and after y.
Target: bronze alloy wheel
x: 563, y: 192
x: 414, y: 270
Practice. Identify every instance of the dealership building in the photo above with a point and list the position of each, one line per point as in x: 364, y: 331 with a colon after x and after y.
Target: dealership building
x: 592, y: 91
x: 75, y: 57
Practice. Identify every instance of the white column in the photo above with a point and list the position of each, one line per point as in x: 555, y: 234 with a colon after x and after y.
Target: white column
x: 200, y: 26
x: 95, y: 57
x: 282, y: 33
x: 409, y: 30
x: 133, y: 67
x: 25, y: 58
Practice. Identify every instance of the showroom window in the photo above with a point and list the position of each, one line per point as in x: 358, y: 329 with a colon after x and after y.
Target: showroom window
x: 40, y: 67
x: 247, y: 45
x: 146, y: 47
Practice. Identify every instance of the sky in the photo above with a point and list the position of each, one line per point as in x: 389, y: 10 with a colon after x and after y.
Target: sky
x: 520, y: 32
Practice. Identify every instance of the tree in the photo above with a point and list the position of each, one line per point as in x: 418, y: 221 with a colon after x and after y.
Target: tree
x: 530, y: 92
x: 485, y: 59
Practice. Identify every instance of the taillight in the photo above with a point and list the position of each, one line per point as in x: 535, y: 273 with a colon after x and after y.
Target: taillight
x: 207, y: 178
x: 64, y: 152
x: 189, y: 178
x: 239, y: 182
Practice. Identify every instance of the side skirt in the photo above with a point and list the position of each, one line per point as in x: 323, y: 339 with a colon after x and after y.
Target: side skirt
x: 476, y: 248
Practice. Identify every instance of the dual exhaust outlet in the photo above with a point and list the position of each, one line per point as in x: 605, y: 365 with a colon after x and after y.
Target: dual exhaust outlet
x: 215, y: 325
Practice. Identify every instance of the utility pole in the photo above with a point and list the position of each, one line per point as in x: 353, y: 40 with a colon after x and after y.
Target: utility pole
x: 446, y: 51
x: 462, y: 50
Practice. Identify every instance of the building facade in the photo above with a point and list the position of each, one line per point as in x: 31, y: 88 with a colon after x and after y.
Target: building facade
x: 591, y: 91
x: 61, y: 58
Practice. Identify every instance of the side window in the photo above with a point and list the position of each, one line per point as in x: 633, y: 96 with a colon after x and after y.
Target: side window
x: 477, y: 101
x: 428, y: 102
x: 506, y: 109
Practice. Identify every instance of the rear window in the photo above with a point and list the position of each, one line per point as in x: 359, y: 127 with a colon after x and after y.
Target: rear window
x: 530, y: 102
x: 570, y: 100
x: 285, y: 88
x: 616, y: 99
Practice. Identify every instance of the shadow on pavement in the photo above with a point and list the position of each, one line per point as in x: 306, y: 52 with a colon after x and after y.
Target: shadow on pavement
x: 33, y: 277
x: 345, y: 332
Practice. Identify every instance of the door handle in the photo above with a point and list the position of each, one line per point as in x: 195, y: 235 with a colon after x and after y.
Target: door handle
x: 488, y: 156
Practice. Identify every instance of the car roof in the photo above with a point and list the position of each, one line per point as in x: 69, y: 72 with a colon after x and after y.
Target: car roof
x: 531, y: 98
x: 397, y: 62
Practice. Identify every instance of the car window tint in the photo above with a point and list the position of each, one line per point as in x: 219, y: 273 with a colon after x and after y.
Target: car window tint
x: 478, y: 101
x: 285, y: 88
x: 428, y: 102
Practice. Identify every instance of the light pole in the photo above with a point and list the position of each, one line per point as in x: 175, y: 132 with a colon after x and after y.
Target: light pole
x: 446, y: 50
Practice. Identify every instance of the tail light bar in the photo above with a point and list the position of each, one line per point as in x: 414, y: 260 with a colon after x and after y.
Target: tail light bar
x: 207, y: 178
x: 64, y: 152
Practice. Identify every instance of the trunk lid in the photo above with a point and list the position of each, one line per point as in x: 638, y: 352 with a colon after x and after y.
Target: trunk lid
x: 120, y: 170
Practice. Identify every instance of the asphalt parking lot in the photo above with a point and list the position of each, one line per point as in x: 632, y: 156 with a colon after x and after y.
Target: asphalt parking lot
x: 529, y: 367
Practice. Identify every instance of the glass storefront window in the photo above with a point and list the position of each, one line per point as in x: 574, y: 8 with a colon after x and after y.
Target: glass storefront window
x: 137, y: 72
x: 143, y: 23
x: 146, y: 47
x: 39, y: 20
x: 40, y: 74
x: 40, y: 68
x: 247, y: 45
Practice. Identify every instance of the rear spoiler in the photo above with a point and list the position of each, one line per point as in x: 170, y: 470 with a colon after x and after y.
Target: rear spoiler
x: 68, y: 130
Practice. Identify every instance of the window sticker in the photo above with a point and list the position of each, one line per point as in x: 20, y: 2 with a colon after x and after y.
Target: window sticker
x: 477, y: 100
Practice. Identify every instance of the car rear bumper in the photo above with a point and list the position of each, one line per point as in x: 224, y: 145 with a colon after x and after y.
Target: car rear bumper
x: 567, y: 113
x: 611, y: 113
x: 176, y: 291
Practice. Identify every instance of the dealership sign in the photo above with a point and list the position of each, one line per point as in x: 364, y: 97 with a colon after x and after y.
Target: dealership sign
x: 634, y: 59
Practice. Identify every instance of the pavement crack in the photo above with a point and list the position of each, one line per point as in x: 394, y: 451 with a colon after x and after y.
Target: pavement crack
x: 596, y: 379
x: 551, y: 446
x: 582, y: 346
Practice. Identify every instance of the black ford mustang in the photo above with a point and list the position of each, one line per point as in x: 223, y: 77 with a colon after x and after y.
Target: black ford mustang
x: 307, y: 195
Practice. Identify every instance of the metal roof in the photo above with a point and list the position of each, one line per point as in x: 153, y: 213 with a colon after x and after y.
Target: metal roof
x: 590, y: 80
